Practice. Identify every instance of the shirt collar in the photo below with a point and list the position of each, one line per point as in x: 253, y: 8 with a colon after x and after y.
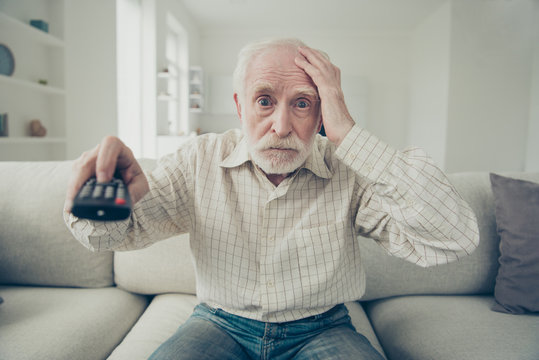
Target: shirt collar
x: 238, y: 156
x: 314, y: 163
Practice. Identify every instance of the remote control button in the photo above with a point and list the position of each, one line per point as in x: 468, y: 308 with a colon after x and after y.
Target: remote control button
x: 98, y: 191
x: 86, y: 191
x: 119, y: 201
x: 109, y: 192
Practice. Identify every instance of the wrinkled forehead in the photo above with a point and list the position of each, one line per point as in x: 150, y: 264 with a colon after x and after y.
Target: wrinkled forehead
x: 276, y: 69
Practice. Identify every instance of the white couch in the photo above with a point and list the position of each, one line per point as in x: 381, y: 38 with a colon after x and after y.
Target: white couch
x: 63, y: 302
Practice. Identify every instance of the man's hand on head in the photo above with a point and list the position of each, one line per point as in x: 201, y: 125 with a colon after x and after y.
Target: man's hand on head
x: 327, y: 77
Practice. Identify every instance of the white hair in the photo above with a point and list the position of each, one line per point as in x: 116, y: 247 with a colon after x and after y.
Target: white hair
x: 250, y: 51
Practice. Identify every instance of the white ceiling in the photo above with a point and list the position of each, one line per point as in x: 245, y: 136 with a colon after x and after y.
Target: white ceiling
x: 310, y: 15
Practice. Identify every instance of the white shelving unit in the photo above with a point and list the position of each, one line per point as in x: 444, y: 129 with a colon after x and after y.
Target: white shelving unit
x: 164, y: 92
x: 167, y: 101
x: 196, y: 89
x: 30, y: 31
x: 46, y: 89
x: 38, y: 56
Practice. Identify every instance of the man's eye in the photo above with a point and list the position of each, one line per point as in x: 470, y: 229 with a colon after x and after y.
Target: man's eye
x: 302, y: 104
x: 264, y: 102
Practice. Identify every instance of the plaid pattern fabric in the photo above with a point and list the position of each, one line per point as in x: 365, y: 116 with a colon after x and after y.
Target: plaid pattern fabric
x: 284, y: 253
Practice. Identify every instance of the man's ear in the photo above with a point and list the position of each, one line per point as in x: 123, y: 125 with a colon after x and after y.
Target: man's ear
x: 238, y: 105
x: 320, y: 122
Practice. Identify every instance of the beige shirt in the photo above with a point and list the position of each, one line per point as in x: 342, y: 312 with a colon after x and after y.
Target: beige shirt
x: 287, y: 252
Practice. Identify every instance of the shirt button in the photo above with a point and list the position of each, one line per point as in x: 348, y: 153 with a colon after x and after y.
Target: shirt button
x: 369, y: 167
x: 270, y: 284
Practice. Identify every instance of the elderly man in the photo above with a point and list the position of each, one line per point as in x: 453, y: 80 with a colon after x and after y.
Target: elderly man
x: 274, y: 211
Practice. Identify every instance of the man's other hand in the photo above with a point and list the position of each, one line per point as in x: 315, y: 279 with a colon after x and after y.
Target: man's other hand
x: 327, y: 77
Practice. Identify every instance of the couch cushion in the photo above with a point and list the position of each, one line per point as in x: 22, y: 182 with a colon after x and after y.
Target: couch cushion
x: 517, y: 218
x: 63, y: 323
x: 161, y: 319
x: 36, y: 248
x: 164, y: 267
x: 452, y: 328
x: 363, y: 325
x: 168, y: 311
x: 476, y: 274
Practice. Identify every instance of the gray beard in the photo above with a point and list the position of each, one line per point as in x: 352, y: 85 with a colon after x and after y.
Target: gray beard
x: 279, y: 162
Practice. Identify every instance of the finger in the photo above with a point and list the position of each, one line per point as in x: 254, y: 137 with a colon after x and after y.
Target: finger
x: 127, y: 166
x: 303, y: 63
x: 109, y: 151
x: 115, y: 157
x: 317, y: 64
x: 320, y: 60
x: 314, y: 57
x: 314, y: 72
x: 83, y: 169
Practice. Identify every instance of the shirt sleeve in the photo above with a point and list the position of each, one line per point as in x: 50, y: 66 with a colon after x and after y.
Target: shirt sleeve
x: 406, y: 203
x: 165, y: 211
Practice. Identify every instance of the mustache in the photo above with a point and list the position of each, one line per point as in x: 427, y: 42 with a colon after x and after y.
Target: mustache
x: 271, y: 141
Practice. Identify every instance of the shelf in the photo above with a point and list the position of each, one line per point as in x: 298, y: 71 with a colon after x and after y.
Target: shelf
x: 196, y: 89
x: 165, y: 98
x: 32, y: 32
x: 31, y: 85
x: 42, y: 55
x: 30, y: 140
x: 165, y: 75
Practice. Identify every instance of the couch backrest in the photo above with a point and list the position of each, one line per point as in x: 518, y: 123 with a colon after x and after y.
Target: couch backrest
x: 164, y: 267
x: 36, y: 248
x: 475, y: 274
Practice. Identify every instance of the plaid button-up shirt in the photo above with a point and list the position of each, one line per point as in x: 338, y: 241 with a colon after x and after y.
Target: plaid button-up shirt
x: 287, y: 252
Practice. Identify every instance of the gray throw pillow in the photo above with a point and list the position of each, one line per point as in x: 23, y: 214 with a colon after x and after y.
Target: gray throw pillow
x: 517, y: 219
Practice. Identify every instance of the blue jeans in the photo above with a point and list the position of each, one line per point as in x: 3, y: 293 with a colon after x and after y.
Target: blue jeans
x: 215, y: 334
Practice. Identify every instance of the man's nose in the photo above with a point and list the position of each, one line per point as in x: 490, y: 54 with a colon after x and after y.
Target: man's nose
x: 282, y: 121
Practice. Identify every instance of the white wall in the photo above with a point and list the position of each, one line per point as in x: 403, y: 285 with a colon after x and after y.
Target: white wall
x: 429, y: 84
x: 129, y: 22
x: 378, y: 60
x: 471, y: 90
x: 532, y: 151
x: 489, y: 95
x: 91, y: 113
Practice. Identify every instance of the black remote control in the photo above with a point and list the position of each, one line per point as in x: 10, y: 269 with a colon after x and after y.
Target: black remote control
x: 107, y: 201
